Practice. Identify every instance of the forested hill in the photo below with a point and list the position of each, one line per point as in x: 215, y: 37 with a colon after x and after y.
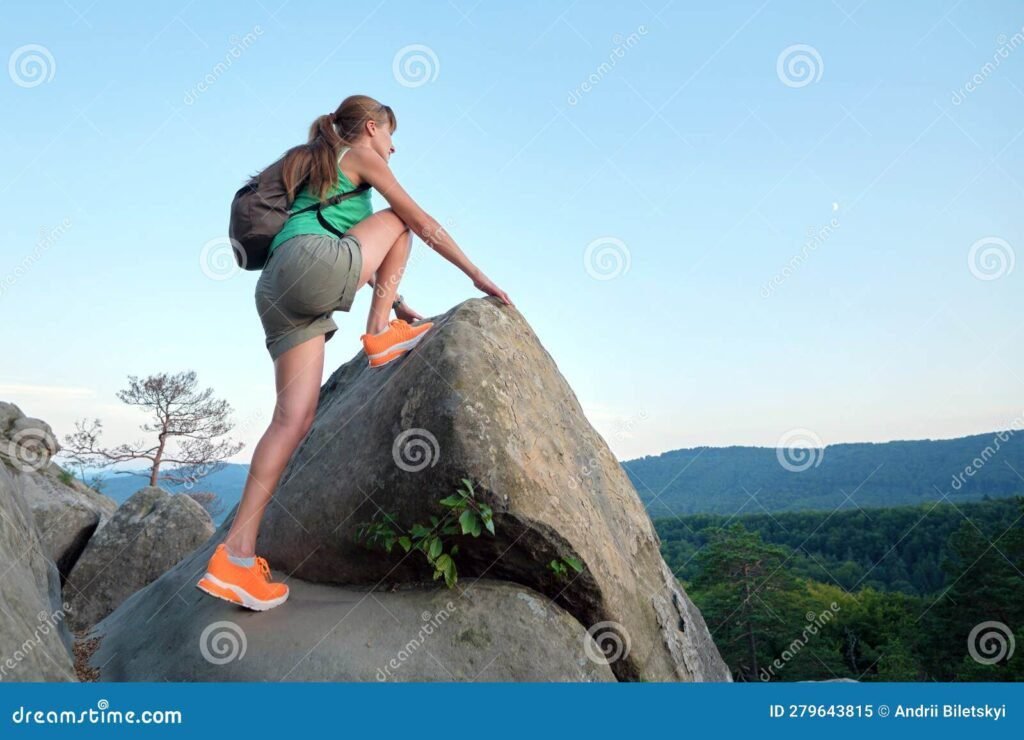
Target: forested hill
x: 751, y: 480
x: 893, y: 549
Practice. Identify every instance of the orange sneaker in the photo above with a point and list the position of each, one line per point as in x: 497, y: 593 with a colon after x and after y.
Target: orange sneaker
x: 250, y: 587
x: 395, y: 341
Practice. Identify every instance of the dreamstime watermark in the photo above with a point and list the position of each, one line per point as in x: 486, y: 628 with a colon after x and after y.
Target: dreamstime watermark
x: 47, y: 238
x: 990, y: 642
x: 623, y: 428
x: 47, y: 623
x: 606, y: 258
x: 799, y: 449
x: 30, y: 449
x: 1005, y: 46
x: 814, y: 240
x: 415, y: 449
x: 218, y: 260
x: 606, y: 643
x: 990, y: 451
x: 431, y: 622
x: 198, y: 472
x: 815, y: 624
x: 799, y: 65
x: 590, y: 467
x: 31, y: 65
x: 430, y: 236
x: 238, y: 46
x: 101, y: 714
x: 990, y: 258
x: 605, y: 456
x: 415, y: 65
x: 222, y: 642
x: 622, y: 45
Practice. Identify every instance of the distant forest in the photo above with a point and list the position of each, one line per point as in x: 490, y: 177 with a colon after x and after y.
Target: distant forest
x: 753, y: 480
x: 895, y: 549
x: 933, y: 592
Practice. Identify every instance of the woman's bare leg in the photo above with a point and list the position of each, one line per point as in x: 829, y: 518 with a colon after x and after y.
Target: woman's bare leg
x: 297, y: 373
x: 386, y: 243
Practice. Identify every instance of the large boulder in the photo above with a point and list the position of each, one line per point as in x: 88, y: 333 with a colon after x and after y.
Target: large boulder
x: 35, y: 644
x: 480, y: 398
x: 489, y: 631
x: 66, y: 511
x: 147, y: 536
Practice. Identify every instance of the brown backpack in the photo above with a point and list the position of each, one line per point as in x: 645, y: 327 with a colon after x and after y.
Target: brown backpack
x: 259, y: 210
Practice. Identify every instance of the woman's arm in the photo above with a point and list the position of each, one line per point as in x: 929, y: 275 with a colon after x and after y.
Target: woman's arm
x: 374, y: 170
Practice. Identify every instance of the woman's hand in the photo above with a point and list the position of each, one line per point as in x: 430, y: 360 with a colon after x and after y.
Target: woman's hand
x: 404, y: 312
x: 484, y: 283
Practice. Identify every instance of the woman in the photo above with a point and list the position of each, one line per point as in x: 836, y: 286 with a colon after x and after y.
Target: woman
x: 316, y: 266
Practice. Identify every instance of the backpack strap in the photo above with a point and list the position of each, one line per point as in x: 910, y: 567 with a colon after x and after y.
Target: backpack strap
x: 326, y: 224
x: 334, y: 200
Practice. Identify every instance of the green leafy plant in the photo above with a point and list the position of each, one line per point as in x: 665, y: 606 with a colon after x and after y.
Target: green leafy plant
x: 66, y: 477
x: 466, y: 516
x: 562, y: 566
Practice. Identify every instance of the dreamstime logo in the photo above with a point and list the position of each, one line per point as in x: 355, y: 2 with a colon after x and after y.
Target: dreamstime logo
x: 816, y: 623
x: 980, y: 460
x: 1003, y: 50
x: 47, y: 238
x: 431, y: 623
x: 31, y: 448
x: 217, y: 258
x: 990, y: 258
x: 415, y: 65
x: 415, y: 449
x: 194, y: 475
x: 222, y: 642
x: 799, y: 65
x: 625, y: 427
x: 47, y: 622
x: 102, y: 714
x: 611, y: 641
x: 991, y: 642
x: 31, y: 65
x: 238, y: 45
x: 606, y: 258
x: 622, y: 45
x: 814, y: 240
x: 592, y: 467
x: 431, y: 236
x: 799, y: 449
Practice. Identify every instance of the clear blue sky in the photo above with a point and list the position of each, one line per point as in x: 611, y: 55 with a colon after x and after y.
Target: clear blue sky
x: 696, y: 158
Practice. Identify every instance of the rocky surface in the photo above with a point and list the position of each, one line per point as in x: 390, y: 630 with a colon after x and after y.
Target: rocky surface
x: 66, y: 515
x: 27, y: 443
x: 35, y: 644
x: 484, y: 631
x: 66, y: 511
x: 147, y: 536
x: 481, y: 398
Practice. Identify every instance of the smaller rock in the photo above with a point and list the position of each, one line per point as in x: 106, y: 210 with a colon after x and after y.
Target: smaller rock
x: 9, y: 413
x: 27, y: 443
x: 147, y: 536
x: 66, y: 511
x: 66, y: 514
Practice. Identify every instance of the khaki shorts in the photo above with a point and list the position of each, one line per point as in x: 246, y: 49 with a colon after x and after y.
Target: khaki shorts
x: 306, y: 279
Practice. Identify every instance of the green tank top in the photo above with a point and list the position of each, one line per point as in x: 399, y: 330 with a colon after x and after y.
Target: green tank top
x: 341, y: 216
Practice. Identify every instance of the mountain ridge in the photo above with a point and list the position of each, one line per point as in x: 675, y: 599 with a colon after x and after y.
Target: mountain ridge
x: 686, y: 487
